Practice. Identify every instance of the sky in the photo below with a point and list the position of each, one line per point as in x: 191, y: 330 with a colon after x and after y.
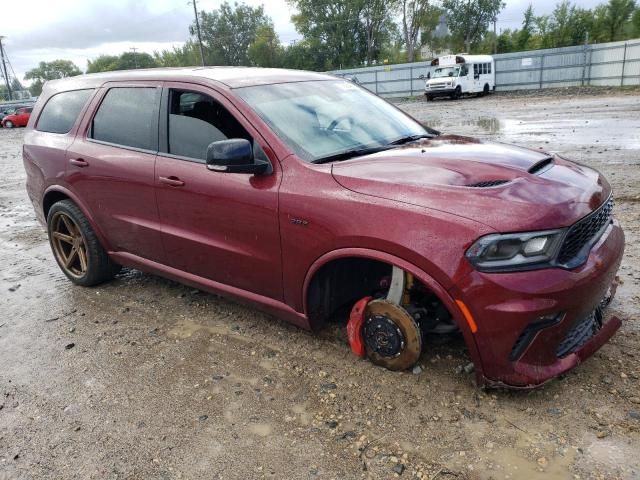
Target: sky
x: 80, y: 30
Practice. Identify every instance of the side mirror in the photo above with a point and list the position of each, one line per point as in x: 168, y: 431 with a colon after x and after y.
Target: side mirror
x: 234, y: 156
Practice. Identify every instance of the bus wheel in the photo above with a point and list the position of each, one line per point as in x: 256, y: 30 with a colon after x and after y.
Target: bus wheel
x: 457, y: 94
x: 429, y: 98
x: 486, y: 89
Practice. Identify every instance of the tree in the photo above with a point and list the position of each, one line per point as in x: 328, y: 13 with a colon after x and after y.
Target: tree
x: 228, y: 32
x: 305, y: 55
x: 334, y: 28
x: 618, y: 12
x: 50, y: 71
x: 469, y: 19
x: 635, y: 21
x: 524, y: 35
x: 124, y: 61
x: 417, y: 15
x: 185, y: 56
x: 266, y: 50
x: 378, y: 26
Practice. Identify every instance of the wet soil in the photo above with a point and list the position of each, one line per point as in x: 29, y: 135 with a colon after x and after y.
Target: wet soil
x: 144, y: 378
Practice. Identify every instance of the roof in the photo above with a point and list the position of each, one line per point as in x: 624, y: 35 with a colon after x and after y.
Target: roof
x: 231, y: 77
x: 476, y: 58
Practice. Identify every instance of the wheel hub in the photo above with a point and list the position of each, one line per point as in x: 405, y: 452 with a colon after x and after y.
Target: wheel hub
x: 391, y: 336
x: 383, y: 336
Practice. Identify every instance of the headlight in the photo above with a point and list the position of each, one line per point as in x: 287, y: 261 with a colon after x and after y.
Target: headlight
x: 515, y: 251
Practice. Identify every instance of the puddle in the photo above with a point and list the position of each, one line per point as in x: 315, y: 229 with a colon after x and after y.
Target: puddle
x: 301, y: 412
x: 261, y: 429
x: 510, y: 465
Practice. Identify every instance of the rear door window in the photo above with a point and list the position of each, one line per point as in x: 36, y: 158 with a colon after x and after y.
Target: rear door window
x: 128, y: 116
x: 62, y: 110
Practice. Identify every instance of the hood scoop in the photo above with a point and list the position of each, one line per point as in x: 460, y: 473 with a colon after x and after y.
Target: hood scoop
x: 487, y: 183
x: 541, y: 166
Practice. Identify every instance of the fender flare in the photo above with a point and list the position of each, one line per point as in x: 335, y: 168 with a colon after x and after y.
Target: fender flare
x: 418, y: 273
x: 85, y: 211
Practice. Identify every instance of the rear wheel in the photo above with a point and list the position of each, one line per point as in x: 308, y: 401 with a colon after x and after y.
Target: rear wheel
x: 486, y: 89
x: 8, y: 124
x: 76, y: 247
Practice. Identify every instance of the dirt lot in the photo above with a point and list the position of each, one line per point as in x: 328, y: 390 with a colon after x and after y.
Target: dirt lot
x: 143, y: 378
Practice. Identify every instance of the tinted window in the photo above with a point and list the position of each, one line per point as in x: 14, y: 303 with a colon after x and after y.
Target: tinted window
x: 196, y: 120
x: 129, y: 117
x: 61, y: 111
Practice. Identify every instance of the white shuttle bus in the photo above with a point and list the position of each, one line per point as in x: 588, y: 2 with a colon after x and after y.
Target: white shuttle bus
x: 457, y: 75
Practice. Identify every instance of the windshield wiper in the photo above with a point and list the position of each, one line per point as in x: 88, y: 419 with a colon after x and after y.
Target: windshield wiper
x: 356, y: 152
x: 410, y: 138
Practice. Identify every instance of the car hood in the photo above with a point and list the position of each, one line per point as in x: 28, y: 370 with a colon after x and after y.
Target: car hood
x: 505, y: 187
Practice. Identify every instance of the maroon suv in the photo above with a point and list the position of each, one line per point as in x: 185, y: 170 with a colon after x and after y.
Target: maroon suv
x: 313, y: 198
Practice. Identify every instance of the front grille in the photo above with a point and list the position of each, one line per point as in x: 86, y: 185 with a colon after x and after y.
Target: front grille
x: 584, y: 232
x: 580, y: 333
x: 488, y: 183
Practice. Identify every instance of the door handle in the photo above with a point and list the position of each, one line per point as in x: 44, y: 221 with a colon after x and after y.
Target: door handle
x: 79, y: 162
x: 172, y: 181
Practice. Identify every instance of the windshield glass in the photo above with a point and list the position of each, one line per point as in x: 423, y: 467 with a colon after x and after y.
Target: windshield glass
x: 446, y: 72
x: 320, y: 119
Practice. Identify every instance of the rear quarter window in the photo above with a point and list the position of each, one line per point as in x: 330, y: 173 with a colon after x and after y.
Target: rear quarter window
x: 61, y: 111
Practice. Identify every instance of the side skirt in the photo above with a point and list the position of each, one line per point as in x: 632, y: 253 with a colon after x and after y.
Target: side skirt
x: 268, y: 305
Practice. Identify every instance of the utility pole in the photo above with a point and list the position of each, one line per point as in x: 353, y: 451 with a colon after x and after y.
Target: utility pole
x: 4, y: 70
x: 195, y: 13
x: 495, y: 36
x: 135, y: 57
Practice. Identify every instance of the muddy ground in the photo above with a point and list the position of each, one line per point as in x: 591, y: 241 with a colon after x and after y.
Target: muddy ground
x: 143, y: 378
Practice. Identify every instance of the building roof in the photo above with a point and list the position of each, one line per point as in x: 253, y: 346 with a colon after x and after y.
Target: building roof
x: 231, y: 77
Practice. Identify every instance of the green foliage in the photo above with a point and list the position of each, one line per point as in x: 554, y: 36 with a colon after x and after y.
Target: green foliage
x: 187, y: 55
x: 228, y: 32
x: 417, y: 15
x: 469, y: 19
x: 334, y: 28
x: 618, y: 13
x: 572, y: 25
x: 266, y: 51
x: 124, y: 61
x: 50, y: 71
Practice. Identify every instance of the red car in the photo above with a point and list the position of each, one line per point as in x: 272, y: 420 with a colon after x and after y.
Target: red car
x: 18, y: 119
x: 314, y: 199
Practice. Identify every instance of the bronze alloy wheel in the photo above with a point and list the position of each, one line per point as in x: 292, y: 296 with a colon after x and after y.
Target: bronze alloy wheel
x: 69, y: 245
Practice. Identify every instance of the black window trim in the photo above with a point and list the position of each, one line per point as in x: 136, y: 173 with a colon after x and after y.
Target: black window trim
x: 80, y: 113
x: 89, y: 130
x: 163, y: 128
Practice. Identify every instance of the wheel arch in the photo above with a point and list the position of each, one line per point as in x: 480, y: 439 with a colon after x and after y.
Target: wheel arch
x: 424, y: 277
x: 56, y: 193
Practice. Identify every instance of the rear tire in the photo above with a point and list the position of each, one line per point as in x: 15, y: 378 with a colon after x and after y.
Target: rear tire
x: 76, y: 247
x: 8, y: 124
x: 486, y: 89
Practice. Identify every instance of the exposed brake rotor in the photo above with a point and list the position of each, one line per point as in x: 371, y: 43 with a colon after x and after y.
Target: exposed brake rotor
x: 392, y: 337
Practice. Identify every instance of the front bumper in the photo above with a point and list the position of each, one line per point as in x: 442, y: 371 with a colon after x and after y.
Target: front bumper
x: 440, y: 92
x: 505, y: 305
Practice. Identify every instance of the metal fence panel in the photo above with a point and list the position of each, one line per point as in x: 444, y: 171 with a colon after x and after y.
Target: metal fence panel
x: 606, y: 64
